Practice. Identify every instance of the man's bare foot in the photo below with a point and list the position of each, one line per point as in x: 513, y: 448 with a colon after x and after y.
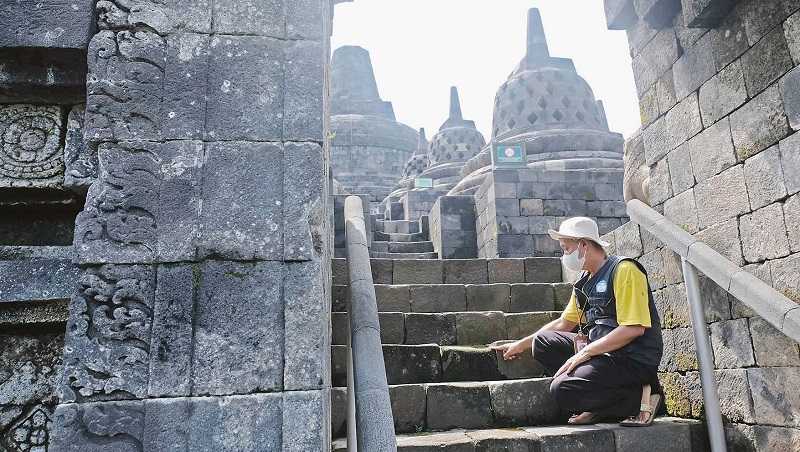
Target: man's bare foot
x: 584, y: 418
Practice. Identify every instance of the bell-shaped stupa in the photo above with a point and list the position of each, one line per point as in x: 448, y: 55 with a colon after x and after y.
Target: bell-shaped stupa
x: 369, y: 148
x: 552, y: 110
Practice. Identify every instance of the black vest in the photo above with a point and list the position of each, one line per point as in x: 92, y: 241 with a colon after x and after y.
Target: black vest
x: 600, y: 313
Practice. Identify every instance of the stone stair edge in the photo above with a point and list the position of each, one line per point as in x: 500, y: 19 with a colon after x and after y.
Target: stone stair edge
x: 687, y: 433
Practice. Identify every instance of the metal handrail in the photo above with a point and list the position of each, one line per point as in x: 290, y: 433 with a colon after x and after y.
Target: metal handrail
x: 764, y: 300
x: 370, y: 425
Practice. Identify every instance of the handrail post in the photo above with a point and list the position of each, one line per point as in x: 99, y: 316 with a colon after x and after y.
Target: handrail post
x: 705, y: 359
x: 352, y: 441
x: 370, y: 414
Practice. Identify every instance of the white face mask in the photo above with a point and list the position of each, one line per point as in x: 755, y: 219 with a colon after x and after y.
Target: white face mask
x: 573, y: 260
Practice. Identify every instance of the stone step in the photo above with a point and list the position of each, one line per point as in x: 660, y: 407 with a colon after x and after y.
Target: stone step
x: 445, y: 406
x: 404, y: 256
x: 431, y: 363
x: 452, y: 328
x: 402, y: 226
x: 402, y: 247
x: 457, y: 271
x: 666, y: 434
x: 438, y: 298
x: 378, y: 236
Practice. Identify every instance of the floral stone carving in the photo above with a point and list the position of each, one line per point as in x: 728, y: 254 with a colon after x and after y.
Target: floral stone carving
x: 30, y: 146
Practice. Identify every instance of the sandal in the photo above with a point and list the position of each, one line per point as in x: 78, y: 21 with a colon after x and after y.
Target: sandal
x: 652, y: 408
x: 592, y: 418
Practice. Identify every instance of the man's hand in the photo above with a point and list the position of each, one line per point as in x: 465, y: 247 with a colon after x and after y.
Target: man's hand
x: 511, y: 350
x: 576, y: 360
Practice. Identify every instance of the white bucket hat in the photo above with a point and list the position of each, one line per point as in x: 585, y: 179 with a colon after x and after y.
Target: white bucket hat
x: 578, y: 228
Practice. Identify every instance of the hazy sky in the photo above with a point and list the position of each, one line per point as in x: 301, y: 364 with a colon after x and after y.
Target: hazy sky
x: 420, y: 48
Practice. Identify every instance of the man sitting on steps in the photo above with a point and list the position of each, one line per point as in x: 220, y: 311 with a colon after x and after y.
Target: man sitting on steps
x: 605, y: 349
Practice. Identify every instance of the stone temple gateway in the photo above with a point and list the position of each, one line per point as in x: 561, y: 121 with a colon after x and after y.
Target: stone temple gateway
x: 172, y: 175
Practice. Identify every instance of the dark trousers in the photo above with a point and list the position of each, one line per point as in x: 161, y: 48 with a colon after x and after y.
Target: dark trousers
x: 608, y: 386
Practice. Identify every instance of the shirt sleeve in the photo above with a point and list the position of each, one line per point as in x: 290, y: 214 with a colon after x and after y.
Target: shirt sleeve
x: 630, y: 291
x: 571, y: 313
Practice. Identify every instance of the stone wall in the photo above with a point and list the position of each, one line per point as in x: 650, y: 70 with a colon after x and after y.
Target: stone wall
x: 452, y: 227
x: 516, y: 207
x: 757, y: 368
x: 720, y: 103
x: 200, y: 317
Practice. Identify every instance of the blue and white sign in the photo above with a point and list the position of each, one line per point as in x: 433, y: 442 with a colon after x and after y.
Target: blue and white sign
x: 509, y: 155
x: 423, y: 182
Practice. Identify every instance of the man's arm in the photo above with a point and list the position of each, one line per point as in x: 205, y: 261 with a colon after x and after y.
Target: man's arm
x: 512, y: 350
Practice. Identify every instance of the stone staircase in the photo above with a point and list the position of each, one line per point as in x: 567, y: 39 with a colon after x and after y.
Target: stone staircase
x: 401, y: 239
x: 449, y: 391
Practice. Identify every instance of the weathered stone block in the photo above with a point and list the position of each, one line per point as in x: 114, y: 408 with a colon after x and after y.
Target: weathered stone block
x: 761, y: 17
x: 240, y: 422
x: 411, y: 364
x: 441, y: 298
x: 531, y: 297
x: 172, y: 336
x: 409, y: 405
x: 488, y: 297
x: 80, y: 161
x: 239, y: 324
x: 244, y: 68
x: 716, y: 300
x: 506, y: 270
x: 243, y: 220
x: 776, y: 438
x: 773, y: 398
x: 705, y: 13
x: 658, y: 55
x: 721, y: 197
x: 465, y: 271
x: 639, y: 35
x: 725, y: 239
x: 430, y: 329
x: 418, y: 272
x: 679, y: 351
x: 304, y: 91
x: 304, y: 416
x: 790, y: 92
x: 680, y: 168
x: 55, y: 24
x: 784, y: 276
x: 683, y: 211
x: 672, y: 306
x: 712, y: 151
x: 620, y: 14
x: 790, y: 162
x: 791, y: 30
x: 459, y: 405
x: 628, y: 240
x: 660, y: 182
x: 764, y: 234
x: 758, y: 124
x: 523, y: 402
x: 166, y: 17
x: 526, y: 323
x: 732, y: 345
x: 722, y: 94
x: 531, y: 207
x: 694, y: 67
x: 393, y: 327
x: 469, y: 364
x: 766, y: 61
x: 665, y: 92
x: 542, y: 270
x: 791, y: 214
x: 673, y: 271
x: 395, y: 298
x: 729, y: 39
x: 735, y: 401
x: 772, y: 348
x: 676, y: 127
x: 658, y: 13
x: 653, y: 263
x: 240, y: 18
x: 306, y: 327
x: 480, y: 328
